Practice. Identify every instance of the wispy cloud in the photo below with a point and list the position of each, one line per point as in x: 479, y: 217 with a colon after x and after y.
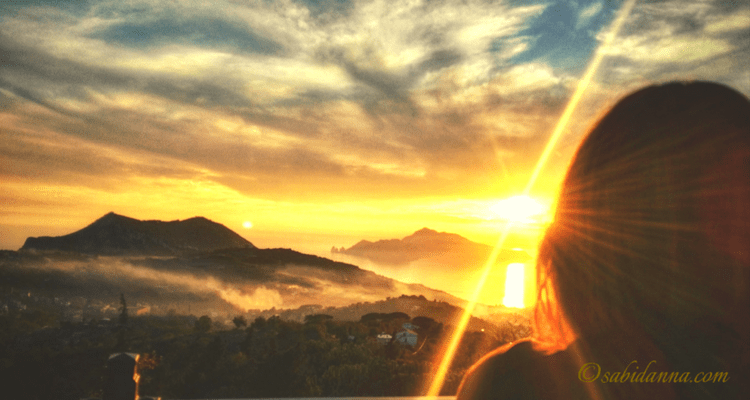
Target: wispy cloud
x: 588, y: 12
x: 325, y: 101
x: 688, y: 40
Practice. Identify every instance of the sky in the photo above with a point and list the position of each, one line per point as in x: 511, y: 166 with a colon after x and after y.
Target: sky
x: 315, y: 123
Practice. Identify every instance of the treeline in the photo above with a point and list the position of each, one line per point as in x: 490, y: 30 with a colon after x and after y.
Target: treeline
x: 190, y: 358
x: 320, y: 357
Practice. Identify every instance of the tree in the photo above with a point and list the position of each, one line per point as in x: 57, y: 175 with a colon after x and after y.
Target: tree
x: 424, y: 323
x: 258, y: 324
x: 397, y: 315
x: 203, y: 324
x: 317, y: 318
x: 239, y: 321
x: 123, y: 339
x: 123, y: 318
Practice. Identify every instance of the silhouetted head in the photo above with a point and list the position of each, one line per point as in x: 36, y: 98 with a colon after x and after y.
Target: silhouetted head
x: 651, y: 235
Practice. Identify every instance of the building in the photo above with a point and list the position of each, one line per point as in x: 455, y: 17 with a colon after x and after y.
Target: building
x: 409, y: 326
x: 407, y: 337
x: 384, y: 338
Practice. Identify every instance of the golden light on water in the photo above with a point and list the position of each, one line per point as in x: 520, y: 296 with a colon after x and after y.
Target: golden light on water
x: 514, y: 286
x: 442, y: 371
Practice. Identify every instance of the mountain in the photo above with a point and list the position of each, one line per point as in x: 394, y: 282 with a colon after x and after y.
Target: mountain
x: 115, y: 234
x: 197, y: 265
x: 428, y: 244
x: 189, y: 265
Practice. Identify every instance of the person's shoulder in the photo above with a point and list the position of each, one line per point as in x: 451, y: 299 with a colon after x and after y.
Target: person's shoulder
x: 498, y: 375
x: 510, y: 356
x: 514, y: 371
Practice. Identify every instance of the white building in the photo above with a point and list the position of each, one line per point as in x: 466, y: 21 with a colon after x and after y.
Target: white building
x: 384, y: 338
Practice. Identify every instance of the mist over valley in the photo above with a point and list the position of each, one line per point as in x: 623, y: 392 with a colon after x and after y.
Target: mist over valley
x: 199, y: 267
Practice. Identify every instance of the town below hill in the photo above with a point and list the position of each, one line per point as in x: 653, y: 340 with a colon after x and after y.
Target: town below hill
x: 380, y: 354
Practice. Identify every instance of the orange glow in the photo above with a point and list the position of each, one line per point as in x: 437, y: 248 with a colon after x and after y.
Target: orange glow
x: 514, y: 286
x: 437, y: 383
x: 518, y: 208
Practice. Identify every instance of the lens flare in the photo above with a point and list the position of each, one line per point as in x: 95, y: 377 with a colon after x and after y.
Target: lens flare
x: 438, y: 379
x: 518, y: 208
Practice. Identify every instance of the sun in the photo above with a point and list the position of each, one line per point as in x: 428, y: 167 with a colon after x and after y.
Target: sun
x: 247, y: 224
x: 514, y: 281
x: 519, y: 208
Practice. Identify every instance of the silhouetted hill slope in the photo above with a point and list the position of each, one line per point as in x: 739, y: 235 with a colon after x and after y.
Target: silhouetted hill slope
x: 294, y: 275
x: 227, y: 280
x: 413, y: 306
x: 115, y: 234
x: 427, y: 243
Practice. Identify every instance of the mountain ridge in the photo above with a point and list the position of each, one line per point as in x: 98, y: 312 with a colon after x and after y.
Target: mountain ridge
x: 174, y: 255
x: 426, y: 243
x: 114, y: 234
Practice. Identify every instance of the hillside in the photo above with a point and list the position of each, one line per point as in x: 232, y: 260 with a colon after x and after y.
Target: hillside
x: 413, y: 306
x: 225, y: 281
x: 115, y: 234
x: 197, y: 265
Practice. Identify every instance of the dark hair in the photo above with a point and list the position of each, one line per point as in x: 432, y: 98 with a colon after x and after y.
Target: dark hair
x: 651, y: 234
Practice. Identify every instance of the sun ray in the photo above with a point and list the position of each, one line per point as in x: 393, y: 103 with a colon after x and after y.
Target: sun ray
x: 438, y: 379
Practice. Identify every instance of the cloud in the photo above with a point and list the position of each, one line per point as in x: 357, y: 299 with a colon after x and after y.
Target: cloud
x: 211, y: 33
x: 145, y: 99
x: 677, y: 40
x: 735, y: 22
x: 45, y: 156
x: 328, y: 100
x: 124, y: 274
x: 587, y: 13
x: 326, y: 9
